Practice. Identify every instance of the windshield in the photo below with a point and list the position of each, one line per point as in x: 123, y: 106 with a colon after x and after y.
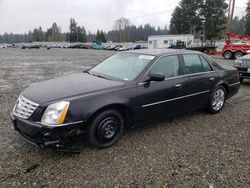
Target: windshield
x: 126, y: 66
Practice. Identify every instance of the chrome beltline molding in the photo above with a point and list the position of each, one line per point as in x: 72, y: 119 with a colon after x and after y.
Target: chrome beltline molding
x: 234, y: 84
x: 173, y: 99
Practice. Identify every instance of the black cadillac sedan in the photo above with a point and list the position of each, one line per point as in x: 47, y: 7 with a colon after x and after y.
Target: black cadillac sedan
x: 126, y: 89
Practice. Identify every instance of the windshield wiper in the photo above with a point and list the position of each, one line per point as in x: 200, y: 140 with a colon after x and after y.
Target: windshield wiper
x: 98, y: 75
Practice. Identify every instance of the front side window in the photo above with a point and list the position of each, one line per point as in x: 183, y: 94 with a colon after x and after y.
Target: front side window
x: 169, y: 66
x: 125, y: 66
x: 192, y: 64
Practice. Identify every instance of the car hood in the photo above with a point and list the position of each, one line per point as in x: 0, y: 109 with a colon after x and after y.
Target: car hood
x: 66, y: 87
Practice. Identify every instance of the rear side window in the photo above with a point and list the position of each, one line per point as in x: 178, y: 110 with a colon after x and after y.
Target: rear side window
x: 169, y: 66
x: 205, y: 64
x: 192, y: 64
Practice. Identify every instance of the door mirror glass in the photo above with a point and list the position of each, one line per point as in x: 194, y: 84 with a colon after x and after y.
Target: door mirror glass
x: 157, y: 77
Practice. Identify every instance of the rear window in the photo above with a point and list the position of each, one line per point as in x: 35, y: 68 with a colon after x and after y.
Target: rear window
x: 192, y: 64
x: 205, y: 64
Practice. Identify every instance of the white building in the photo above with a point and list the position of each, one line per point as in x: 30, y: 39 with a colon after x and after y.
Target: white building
x: 164, y: 41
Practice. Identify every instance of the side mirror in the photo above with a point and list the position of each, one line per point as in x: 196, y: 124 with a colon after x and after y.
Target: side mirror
x: 157, y: 77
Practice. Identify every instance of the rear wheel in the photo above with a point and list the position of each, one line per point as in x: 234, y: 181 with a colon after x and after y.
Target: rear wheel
x: 241, y: 80
x: 217, y: 100
x: 238, y: 54
x: 228, y: 54
x: 106, y: 129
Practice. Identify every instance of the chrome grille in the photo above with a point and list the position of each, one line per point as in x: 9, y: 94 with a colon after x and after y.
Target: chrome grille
x: 24, y: 108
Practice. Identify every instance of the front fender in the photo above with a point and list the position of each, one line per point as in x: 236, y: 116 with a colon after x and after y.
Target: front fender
x: 83, y: 108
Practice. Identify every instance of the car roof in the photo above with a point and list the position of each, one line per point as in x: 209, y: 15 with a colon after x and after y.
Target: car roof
x: 160, y: 52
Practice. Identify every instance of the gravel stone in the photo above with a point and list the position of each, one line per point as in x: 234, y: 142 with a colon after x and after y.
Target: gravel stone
x: 191, y: 150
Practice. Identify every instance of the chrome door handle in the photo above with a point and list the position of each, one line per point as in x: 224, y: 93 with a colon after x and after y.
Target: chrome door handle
x: 177, y: 85
x: 211, y: 79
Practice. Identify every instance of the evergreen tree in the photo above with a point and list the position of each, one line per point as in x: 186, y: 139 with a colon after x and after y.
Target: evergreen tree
x: 247, y: 18
x: 73, y: 31
x: 38, y: 34
x: 190, y: 15
x: 238, y: 25
x: 213, y: 12
x: 186, y: 17
x: 76, y: 33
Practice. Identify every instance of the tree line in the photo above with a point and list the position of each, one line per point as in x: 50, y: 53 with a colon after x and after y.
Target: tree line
x: 208, y: 18
x: 123, y: 31
x: 198, y: 17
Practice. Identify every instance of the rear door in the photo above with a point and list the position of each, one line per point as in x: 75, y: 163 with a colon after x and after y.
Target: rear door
x: 200, y: 80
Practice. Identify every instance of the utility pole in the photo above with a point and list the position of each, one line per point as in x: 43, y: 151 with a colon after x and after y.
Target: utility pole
x: 231, y: 6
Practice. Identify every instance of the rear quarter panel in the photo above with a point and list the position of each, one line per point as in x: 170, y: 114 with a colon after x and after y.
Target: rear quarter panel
x: 231, y: 80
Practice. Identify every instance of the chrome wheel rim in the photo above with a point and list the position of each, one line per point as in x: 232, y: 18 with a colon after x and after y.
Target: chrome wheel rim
x: 218, y: 99
x: 238, y: 54
x: 228, y: 55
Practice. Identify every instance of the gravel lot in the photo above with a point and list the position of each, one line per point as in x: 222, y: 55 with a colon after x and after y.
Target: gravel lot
x: 192, y: 150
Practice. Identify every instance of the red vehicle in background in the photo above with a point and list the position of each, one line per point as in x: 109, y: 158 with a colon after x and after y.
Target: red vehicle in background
x: 236, y: 46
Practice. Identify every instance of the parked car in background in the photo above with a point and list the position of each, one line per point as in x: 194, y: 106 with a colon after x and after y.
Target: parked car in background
x: 115, y: 47
x: 243, y: 66
x: 34, y: 46
x: 106, y: 47
x: 126, y: 89
x: 67, y: 46
x: 53, y: 46
x: 97, y: 45
x: 137, y: 47
x: 77, y: 46
x: 124, y: 48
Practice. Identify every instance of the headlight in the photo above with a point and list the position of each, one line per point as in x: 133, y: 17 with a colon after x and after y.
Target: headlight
x: 55, y: 113
x: 238, y: 62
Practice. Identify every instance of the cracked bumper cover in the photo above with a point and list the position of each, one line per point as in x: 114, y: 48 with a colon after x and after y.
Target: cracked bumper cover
x: 43, y: 136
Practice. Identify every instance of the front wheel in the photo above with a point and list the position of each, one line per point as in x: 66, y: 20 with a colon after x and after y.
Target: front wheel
x: 217, y: 100
x: 241, y: 80
x: 106, y: 129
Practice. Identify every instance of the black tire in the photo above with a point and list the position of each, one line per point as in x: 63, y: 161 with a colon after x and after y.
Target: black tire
x: 213, y: 106
x: 241, y: 80
x: 238, y: 54
x: 228, y: 54
x: 105, y: 129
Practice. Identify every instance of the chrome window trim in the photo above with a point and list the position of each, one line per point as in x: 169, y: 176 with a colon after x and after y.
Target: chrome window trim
x: 141, y: 83
x: 184, y: 75
x: 173, y: 99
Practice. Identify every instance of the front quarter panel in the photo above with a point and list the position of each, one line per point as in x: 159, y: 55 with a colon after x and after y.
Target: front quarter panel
x: 83, y: 108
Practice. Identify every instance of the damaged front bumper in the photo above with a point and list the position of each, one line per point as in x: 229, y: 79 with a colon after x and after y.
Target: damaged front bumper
x: 60, y: 137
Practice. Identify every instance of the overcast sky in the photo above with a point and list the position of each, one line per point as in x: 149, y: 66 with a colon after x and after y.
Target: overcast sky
x: 19, y: 16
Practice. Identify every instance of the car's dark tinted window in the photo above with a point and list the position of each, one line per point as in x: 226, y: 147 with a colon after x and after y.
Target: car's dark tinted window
x: 192, y: 63
x: 206, y: 66
x: 169, y: 66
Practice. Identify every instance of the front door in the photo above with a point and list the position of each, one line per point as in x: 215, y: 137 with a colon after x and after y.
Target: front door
x: 160, y: 98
